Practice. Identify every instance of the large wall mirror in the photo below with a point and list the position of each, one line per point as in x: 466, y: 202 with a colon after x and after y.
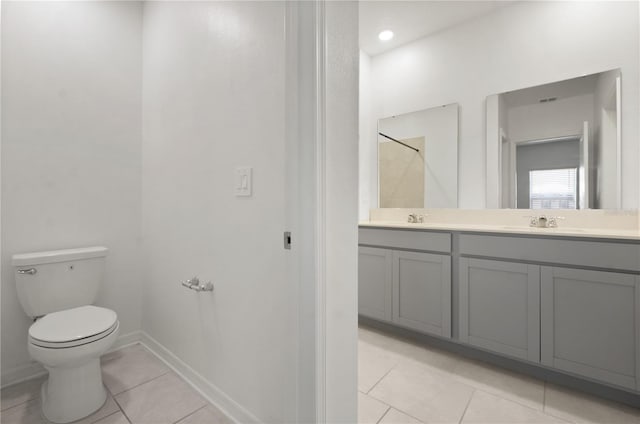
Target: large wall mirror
x: 559, y: 144
x: 549, y: 121
x: 418, y: 159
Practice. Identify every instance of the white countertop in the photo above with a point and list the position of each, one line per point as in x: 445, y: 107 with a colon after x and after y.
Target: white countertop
x: 510, y: 229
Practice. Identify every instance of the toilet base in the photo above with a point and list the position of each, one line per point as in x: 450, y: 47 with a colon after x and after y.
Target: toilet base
x: 72, y: 393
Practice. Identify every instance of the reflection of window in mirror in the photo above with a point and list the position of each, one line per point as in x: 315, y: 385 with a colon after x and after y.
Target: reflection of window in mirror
x: 545, y: 160
x: 566, y: 124
x: 553, y: 188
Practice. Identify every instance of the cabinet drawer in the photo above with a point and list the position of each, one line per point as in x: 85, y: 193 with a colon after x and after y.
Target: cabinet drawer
x: 622, y: 256
x: 406, y: 239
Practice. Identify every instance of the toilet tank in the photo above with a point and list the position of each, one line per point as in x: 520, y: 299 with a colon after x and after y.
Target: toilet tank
x: 60, y: 279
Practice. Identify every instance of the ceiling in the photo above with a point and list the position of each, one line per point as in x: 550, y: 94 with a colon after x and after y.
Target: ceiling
x: 410, y: 20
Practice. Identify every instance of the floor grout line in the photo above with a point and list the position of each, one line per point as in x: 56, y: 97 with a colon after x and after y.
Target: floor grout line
x: 190, y: 414
x: 108, y: 415
x: 467, y: 406
x: 381, y: 378
x: 122, y: 409
x: 384, y: 415
x: 141, y: 384
x: 29, y: 380
x: 392, y: 407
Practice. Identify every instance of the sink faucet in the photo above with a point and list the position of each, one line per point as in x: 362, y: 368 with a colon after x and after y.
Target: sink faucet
x: 415, y: 218
x: 543, y: 221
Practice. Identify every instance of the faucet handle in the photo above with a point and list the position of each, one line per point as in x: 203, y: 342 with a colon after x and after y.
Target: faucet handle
x: 533, y: 220
x: 553, y: 220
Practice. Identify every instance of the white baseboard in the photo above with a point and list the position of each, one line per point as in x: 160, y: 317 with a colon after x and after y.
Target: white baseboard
x: 22, y: 373
x: 33, y: 369
x: 125, y: 340
x: 209, y: 391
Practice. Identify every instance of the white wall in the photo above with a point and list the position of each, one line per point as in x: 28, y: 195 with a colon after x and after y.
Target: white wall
x: 71, y: 154
x: 92, y: 155
x: 517, y: 46
x: 563, y: 117
x: 214, y: 99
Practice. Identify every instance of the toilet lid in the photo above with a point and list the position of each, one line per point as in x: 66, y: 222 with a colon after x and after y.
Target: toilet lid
x: 73, y: 324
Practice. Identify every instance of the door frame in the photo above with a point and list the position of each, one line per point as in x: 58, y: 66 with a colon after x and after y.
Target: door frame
x: 322, y: 203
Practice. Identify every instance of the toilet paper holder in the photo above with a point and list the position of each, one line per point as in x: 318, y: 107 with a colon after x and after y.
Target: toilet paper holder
x: 194, y: 284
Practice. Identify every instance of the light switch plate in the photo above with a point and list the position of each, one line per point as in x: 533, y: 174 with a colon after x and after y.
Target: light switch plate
x: 244, y: 181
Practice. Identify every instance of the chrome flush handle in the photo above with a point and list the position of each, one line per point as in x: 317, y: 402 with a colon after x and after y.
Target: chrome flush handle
x: 29, y: 271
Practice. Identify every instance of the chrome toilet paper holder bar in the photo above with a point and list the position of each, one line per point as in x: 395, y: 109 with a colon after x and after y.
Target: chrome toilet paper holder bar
x: 194, y: 284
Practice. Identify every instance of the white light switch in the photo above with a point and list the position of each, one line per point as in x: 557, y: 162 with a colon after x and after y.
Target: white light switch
x: 243, y: 180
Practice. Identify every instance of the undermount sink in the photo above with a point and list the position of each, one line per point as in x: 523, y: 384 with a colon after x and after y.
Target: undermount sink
x: 572, y: 230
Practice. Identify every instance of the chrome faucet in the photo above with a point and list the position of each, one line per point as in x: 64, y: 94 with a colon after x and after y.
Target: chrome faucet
x: 416, y: 218
x: 543, y: 221
x: 552, y: 221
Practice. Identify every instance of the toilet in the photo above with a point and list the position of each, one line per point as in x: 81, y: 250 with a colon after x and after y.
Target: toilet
x: 57, y: 289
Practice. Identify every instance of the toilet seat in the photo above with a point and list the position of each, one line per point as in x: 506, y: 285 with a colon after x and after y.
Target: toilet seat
x: 73, y: 327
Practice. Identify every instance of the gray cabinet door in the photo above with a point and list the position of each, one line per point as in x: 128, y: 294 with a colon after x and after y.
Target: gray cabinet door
x: 374, y: 282
x: 591, y: 324
x: 500, y: 307
x: 422, y: 292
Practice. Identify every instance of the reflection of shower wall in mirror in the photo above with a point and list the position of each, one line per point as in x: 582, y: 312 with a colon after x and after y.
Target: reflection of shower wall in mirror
x: 438, y: 127
x: 402, y: 174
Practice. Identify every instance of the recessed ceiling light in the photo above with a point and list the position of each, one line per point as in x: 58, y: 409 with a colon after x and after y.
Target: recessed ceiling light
x: 385, y: 35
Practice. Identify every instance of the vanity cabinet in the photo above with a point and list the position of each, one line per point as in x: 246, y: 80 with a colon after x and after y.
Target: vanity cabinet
x: 591, y: 324
x: 375, y: 282
x: 569, y: 304
x: 500, y: 307
x: 409, y: 288
x: 422, y: 292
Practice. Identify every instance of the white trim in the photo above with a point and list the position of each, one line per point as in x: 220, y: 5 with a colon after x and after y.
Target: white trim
x: 125, y: 340
x: 321, y: 284
x: 22, y: 373
x: 209, y: 391
x: 491, y: 152
x: 34, y: 369
x: 618, y: 94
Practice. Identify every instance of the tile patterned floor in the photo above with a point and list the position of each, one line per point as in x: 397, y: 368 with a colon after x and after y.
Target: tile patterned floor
x: 399, y: 383
x: 402, y: 382
x: 142, y: 389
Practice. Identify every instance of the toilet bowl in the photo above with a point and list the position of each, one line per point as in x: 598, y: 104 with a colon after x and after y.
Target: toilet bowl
x: 57, y: 289
x: 69, y: 344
